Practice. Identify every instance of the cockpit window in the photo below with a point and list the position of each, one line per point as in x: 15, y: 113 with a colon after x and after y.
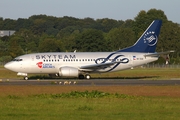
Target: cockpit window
x: 17, y: 59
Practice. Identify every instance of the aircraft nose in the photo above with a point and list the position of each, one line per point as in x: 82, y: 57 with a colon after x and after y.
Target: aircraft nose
x: 7, y: 66
x: 13, y: 66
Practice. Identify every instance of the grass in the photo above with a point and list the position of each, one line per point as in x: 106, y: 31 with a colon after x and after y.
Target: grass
x: 86, y: 102
x: 83, y: 102
x: 144, y: 73
x: 104, y: 108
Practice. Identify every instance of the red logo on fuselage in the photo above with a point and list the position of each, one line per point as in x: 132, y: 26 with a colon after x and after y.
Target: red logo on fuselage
x: 40, y: 64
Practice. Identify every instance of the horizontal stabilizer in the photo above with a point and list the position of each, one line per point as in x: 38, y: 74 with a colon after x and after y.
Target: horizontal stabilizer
x: 158, y: 53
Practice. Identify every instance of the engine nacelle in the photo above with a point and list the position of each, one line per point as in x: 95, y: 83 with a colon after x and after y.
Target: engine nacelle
x: 68, y: 72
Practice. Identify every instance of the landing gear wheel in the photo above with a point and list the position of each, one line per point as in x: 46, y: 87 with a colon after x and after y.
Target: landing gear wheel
x: 26, y: 78
x: 81, y: 76
x: 87, y: 76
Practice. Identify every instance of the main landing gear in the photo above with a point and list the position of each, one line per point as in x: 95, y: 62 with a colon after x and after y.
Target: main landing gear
x: 87, y: 76
x: 26, y: 78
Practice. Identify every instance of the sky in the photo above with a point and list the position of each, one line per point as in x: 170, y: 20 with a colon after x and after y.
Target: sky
x: 96, y: 9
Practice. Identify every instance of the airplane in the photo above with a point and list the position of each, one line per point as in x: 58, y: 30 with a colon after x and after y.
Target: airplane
x: 82, y: 64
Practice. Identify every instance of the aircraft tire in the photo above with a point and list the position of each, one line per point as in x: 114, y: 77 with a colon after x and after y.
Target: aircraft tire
x: 26, y: 78
x: 81, y: 76
x: 88, y: 76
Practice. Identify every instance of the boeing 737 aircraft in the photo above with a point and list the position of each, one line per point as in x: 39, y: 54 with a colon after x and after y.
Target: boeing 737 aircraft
x: 82, y: 64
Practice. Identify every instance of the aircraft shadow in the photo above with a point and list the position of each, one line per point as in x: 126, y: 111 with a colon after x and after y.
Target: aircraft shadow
x: 137, y: 77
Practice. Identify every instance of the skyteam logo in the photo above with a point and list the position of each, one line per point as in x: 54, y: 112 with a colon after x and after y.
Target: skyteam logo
x: 150, y: 38
x: 115, y: 57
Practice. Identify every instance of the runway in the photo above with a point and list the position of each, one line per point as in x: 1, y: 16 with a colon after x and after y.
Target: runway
x: 92, y: 82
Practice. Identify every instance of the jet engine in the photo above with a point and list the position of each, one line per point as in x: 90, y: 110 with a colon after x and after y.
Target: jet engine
x: 68, y: 72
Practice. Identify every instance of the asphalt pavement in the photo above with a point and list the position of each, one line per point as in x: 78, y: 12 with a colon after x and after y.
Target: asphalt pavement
x: 97, y: 82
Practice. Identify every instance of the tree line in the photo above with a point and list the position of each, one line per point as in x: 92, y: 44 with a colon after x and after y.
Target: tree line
x: 42, y: 33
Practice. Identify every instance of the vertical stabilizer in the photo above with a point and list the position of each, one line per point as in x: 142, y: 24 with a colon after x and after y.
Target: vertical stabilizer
x: 148, y: 40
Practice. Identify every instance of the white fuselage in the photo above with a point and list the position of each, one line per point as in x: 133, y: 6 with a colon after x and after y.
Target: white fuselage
x: 81, y: 64
x: 51, y: 62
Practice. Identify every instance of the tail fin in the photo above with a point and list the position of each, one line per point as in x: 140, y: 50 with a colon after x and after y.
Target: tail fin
x: 148, y: 40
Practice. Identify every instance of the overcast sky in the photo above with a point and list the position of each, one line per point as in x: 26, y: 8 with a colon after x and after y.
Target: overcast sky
x: 113, y: 9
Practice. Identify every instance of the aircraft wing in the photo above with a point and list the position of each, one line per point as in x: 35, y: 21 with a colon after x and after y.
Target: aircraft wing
x: 158, y: 53
x: 95, y: 67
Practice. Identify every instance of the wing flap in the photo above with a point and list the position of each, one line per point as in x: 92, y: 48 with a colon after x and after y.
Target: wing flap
x: 95, y: 67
